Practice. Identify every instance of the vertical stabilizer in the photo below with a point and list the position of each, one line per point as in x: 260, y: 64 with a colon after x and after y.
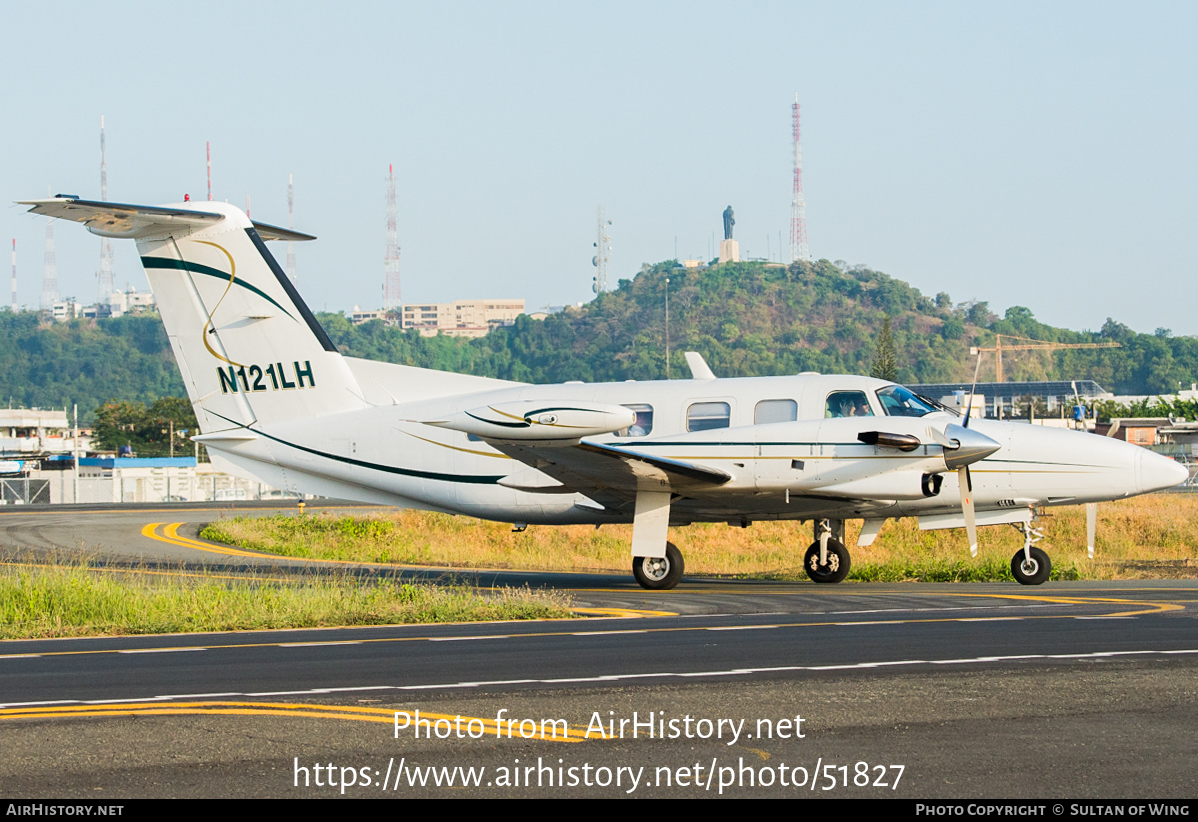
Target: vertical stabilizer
x: 249, y: 350
x: 248, y: 347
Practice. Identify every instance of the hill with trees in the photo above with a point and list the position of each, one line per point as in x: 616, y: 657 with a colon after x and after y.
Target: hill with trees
x: 747, y: 319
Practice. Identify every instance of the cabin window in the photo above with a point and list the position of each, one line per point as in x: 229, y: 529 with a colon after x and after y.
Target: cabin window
x: 704, y: 416
x: 900, y: 402
x: 643, y: 424
x: 848, y: 404
x: 768, y: 411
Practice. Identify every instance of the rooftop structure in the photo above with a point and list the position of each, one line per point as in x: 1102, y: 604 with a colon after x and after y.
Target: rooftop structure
x: 1000, y: 397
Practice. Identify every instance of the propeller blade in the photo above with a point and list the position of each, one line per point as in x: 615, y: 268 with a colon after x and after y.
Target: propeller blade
x: 940, y: 439
x: 971, y: 528
x: 1091, y: 526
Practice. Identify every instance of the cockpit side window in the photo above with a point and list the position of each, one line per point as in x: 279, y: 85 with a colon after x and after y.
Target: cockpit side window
x: 643, y: 424
x: 847, y: 404
x: 900, y: 402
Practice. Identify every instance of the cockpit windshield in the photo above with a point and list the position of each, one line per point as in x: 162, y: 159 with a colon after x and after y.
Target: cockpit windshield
x: 900, y: 402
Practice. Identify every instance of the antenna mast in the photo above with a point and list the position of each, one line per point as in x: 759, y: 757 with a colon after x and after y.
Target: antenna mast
x: 291, y: 225
x: 14, y: 274
x: 798, y: 208
x: 104, y: 275
x: 602, y: 254
x: 208, y: 154
x: 50, y: 274
x: 391, y: 295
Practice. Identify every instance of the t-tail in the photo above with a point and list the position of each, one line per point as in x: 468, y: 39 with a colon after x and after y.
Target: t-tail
x: 249, y: 350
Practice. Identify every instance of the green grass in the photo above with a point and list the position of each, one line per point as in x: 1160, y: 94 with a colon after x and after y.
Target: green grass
x: 71, y: 598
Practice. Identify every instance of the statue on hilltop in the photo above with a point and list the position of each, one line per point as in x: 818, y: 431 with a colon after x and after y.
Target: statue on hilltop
x: 729, y: 221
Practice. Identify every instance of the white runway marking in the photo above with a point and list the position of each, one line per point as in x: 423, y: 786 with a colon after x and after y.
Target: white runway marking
x: 631, y: 677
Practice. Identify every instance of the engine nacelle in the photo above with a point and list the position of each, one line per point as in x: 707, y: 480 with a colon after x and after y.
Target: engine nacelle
x: 897, y: 485
x: 542, y: 421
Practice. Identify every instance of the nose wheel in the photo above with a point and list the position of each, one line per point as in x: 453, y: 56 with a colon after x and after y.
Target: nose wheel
x: 659, y: 573
x: 1033, y: 569
x: 1030, y: 565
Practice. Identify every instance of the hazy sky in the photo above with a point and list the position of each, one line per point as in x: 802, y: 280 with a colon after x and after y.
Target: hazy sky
x: 1040, y: 154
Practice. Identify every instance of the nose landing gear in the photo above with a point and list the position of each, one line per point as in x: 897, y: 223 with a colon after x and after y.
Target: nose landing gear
x: 827, y: 560
x: 1030, y: 565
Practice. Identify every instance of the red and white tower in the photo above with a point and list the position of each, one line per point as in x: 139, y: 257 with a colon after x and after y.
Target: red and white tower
x: 391, y: 294
x: 104, y: 275
x: 798, y: 207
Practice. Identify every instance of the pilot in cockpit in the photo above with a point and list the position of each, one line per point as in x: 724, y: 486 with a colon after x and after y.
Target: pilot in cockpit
x: 848, y: 404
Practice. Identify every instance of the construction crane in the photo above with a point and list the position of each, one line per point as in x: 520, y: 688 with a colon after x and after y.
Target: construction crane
x: 1025, y: 344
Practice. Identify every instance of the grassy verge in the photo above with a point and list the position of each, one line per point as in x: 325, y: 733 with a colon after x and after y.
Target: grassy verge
x: 71, y: 598
x: 1143, y: 537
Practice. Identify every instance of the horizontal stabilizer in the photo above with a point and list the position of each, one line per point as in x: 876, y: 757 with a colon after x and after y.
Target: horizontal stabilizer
x: 120, y: 220
x: 232, y: 435
x: 273, y: 232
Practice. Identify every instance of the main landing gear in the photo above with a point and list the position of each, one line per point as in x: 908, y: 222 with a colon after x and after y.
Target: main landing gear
x: 1030, y: 565
x: 827, y: 560
x: 659, y: 573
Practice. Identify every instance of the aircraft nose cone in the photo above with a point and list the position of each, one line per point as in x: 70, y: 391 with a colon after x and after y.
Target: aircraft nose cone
x: 972, y: 446
x: 1157, y: 472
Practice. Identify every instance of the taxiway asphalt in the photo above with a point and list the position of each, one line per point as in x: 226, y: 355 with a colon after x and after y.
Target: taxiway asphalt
x: 1068, y: 689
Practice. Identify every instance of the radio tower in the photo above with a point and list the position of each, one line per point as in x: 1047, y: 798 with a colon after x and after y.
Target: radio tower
x: 798, y: 208
x: 50, y: 275
x: 602, y: 254
x: 208, y: 154
x: 105, y: 273
x: 391, y: 296
x: 14, y: 275
x: 291, y: 225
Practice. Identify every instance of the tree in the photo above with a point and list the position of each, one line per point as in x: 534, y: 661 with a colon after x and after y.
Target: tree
x: 147, y: 430
x: 885, y: 364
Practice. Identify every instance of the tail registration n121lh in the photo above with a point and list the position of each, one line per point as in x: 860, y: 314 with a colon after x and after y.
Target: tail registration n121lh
x: 278, y: 403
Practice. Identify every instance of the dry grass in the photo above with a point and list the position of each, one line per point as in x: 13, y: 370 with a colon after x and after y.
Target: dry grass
x: 1137, y: 538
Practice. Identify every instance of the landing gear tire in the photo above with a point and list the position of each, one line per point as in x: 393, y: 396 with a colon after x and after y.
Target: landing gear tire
x: 837, y: 567
x: 1034, y: 572
x: 659, y: 573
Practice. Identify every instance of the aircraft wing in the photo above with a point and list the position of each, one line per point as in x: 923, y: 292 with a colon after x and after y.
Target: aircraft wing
x: 610, y: 474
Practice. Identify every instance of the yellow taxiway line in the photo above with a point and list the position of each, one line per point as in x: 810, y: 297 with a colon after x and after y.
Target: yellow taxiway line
x: 344, y: 712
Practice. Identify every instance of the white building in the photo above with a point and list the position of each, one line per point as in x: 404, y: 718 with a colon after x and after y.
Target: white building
x: 462, y: 318
x: 29, y: 431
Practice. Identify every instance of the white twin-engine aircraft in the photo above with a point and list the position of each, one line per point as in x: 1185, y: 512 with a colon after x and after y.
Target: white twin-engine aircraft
x: 277, y: 402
